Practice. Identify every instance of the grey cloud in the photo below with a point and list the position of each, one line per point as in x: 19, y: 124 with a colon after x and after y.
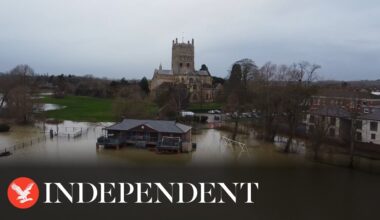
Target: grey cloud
x: 129, y: 39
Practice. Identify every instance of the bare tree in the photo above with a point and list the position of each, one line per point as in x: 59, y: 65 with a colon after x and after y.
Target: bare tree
x: 318, y: 133
x: 19, y: 93
x: 171, y: 99
x: 354, y: 114
x: 267, y: 97
x: 130, y: 103
x: 6, y: 84
x: 298, y: 92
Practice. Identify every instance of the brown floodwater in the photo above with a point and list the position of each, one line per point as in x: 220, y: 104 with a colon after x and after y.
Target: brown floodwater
x: 211, y: 149
x: 64, y: 149
x: 287, y: 188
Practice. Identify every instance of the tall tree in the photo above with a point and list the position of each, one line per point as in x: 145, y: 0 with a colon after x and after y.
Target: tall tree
x: 354, y: 114
x: 267, y: 97
x: 19, y: 97
x: 204, y: 67
x: 298, y: 91
x: 171, y: 99
x: 144, y: 85
x: 236, y: 99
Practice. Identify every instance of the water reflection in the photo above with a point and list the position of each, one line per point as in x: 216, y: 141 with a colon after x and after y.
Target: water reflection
x: 65, y: 149
x: 50, y: 107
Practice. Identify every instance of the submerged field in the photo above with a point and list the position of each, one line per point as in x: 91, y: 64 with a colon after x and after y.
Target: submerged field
x: 81, y: 108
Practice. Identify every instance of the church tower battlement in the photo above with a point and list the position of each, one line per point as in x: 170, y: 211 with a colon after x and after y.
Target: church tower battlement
x: 198, y: 83
x: 183, y: 57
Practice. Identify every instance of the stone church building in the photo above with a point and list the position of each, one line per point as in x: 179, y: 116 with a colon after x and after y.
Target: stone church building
x: 198, y: 82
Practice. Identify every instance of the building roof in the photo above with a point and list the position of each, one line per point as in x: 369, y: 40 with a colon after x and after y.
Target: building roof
x: 158, y: 125
x: 374, y: 116
x: 344, y: 93
x: 333, y: 111
x: 163, y: 72
x: 203, y: 73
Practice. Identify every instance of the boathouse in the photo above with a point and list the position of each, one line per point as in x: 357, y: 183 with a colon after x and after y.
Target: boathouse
x: 164, y: 135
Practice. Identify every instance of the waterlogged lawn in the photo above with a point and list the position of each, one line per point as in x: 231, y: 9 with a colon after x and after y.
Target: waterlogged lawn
x: 81, y: 108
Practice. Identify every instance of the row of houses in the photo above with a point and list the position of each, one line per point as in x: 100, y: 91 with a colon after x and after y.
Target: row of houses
x: 338, y: 112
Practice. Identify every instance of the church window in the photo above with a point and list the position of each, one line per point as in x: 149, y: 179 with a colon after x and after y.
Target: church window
x: 180, y: 65
x: 188, y: 65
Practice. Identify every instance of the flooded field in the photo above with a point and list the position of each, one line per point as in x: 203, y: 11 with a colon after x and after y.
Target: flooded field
x: 65, y: 149
x: 76, y: 144
x: 284, y: 177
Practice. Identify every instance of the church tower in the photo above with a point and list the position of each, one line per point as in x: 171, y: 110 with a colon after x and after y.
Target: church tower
x: 183, y: 57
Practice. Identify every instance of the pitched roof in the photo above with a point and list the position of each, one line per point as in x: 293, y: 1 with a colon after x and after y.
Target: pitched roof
x: 203, y: 72
x: 344, y: 93
x: 158, y: 125
x: 334, y: 111
x: 163, y: 72
x: 374, y: 116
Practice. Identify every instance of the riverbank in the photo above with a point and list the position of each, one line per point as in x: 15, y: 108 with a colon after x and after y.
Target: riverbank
x: 81, y: 108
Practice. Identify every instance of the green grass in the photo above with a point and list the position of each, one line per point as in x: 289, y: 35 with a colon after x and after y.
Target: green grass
x: 81, y: 108
x: 197, y: 107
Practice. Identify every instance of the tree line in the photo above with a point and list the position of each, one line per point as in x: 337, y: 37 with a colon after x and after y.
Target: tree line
x: 280, y: 94
x: 17, y: 91
x: 20, y: 89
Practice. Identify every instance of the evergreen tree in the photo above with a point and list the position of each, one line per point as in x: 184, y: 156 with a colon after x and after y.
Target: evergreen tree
x: 204, y: 67
x: 144, y: 85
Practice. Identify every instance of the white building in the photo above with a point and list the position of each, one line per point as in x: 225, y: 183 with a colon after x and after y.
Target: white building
x: 368, y: 128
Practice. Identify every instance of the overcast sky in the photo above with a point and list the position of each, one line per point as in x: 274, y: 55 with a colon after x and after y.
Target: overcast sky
x: 124, y: 38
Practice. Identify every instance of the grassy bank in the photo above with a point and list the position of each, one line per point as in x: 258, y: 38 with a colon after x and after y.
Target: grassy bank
x: 81, y: 108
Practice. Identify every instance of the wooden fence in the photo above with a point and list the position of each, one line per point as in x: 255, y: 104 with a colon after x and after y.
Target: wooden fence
x: 69, y: 132
x: 23, y: 144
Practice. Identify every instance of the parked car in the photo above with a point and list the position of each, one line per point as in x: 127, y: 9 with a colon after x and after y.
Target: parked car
x: 186, y: 113
x: 215, y: 111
